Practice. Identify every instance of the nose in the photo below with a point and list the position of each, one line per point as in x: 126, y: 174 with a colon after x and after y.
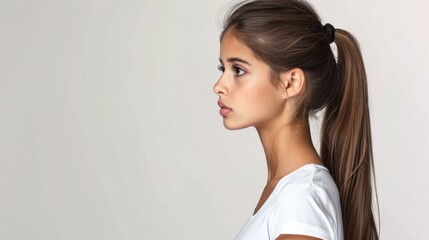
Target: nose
x: 219, y: 87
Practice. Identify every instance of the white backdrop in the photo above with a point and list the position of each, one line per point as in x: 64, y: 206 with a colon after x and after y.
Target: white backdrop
x: 109, y: 126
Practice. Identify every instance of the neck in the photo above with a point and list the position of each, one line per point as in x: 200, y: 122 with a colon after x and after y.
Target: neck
x: 287, y: 148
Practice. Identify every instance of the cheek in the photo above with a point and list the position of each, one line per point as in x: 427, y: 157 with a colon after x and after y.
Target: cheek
x: 261, y: 99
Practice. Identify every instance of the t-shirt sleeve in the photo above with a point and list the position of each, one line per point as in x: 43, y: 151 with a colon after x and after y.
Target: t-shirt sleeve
x: 302, y: 209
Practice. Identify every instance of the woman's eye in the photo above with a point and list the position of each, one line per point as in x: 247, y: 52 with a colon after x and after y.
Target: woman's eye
x: 239, y: 71
x: 220, y: 68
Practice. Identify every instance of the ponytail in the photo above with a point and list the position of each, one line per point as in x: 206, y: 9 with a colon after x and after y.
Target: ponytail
x: 346, y: 145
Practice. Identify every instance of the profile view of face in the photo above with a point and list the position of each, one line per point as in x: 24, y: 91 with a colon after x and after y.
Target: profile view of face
x: 245, y: 87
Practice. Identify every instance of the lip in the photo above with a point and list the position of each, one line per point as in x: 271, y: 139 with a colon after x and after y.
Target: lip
x: 222, y: 105
x: 224, y: 109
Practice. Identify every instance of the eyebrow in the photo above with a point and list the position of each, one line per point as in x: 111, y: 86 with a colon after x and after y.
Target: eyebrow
x: 235, y: 59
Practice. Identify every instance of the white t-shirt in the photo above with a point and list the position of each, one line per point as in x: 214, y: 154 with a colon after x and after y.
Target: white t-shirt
x: 306, y: 202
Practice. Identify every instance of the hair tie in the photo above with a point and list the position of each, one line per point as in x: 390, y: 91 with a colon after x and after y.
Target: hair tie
x: 329, y: 31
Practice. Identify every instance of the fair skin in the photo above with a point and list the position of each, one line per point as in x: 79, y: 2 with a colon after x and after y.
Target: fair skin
x: 245, y: 88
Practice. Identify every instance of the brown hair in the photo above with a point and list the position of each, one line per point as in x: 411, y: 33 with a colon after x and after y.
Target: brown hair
x: 288, y: 34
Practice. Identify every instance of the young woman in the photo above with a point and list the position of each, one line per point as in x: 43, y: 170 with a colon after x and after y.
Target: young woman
x: 278, y: 69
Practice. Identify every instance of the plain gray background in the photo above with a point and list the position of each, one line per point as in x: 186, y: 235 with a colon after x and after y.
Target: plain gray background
x: 109, y: 126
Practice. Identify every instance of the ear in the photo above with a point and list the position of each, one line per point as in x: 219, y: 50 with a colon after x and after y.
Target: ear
x: 293, y: 81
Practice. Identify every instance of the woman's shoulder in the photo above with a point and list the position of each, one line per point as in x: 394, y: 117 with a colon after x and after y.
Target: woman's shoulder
x: 309, y: 174
x: 309, y: 181
x: 307, y: 203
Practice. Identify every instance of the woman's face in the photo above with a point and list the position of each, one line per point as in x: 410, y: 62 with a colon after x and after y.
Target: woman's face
x: 245, y: 87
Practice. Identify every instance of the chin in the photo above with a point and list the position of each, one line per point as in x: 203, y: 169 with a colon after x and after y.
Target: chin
x: 234, y: 126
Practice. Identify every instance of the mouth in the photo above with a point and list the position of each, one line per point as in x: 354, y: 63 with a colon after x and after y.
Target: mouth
x: 224, y: 109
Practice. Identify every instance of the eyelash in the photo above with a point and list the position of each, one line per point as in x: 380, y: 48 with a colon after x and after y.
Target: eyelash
x: 222, y: 69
